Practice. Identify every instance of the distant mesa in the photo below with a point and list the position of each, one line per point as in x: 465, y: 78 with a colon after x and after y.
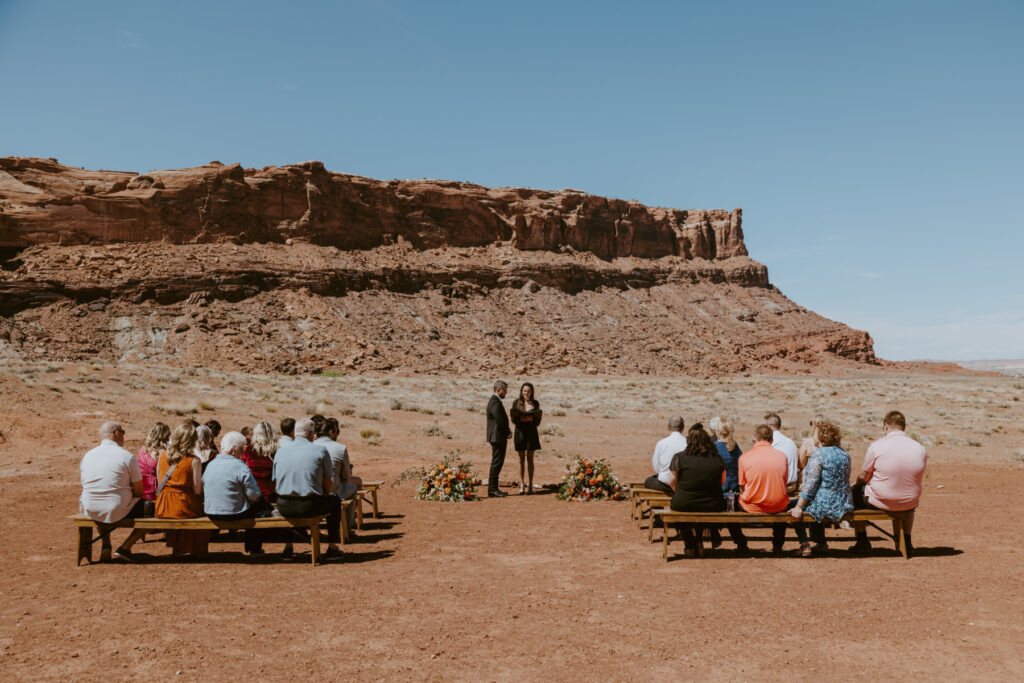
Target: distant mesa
x: 298, y: 269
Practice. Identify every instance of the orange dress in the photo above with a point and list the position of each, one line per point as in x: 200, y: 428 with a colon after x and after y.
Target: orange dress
x: 178, y: 500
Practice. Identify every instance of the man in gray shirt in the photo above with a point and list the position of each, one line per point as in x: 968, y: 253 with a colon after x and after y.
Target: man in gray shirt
x: 304, y: 480
x: 230, y: 492
x: 345, y: 485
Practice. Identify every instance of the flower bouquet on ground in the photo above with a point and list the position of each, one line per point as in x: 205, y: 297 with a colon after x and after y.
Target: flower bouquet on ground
x: 589, y: 480
x: 450, y: 480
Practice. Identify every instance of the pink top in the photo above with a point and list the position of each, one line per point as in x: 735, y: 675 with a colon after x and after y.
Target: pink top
x: 147, y: 467
x: 896, y: 464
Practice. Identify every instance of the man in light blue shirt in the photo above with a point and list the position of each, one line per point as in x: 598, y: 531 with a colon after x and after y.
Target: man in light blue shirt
x: 304, y: 480
x: 230, y: 492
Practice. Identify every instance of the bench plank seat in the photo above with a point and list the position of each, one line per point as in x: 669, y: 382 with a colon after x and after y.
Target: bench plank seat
x: 86, y: 525
x: 667, y: 516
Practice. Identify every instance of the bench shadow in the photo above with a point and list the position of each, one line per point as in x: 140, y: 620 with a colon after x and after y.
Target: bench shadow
x: 349, y: 557
x: 373, y: 538
x: 371, y: 526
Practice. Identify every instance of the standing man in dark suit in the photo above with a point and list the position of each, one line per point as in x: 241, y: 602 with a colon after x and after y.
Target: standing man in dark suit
x: 498, y: 435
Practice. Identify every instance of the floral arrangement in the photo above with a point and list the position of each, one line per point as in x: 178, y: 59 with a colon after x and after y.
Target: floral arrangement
x: 589, y: 480
x: 450, y: 480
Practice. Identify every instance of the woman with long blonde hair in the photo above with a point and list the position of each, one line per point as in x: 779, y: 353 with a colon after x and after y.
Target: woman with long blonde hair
x: 156, y: 442
x: 180, y: 490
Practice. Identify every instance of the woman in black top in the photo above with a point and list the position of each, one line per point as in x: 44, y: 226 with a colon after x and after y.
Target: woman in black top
x: 699, y: 472
x: 526, y: 415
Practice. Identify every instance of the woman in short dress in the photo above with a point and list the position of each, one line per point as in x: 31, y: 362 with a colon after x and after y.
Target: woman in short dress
x: 182, y: 494
x: 526, y: 415
x: 826, y: 494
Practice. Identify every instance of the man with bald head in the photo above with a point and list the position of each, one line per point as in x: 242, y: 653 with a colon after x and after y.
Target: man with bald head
x: 663, y: 478
x: 304, y: 481
x: 112, y: 488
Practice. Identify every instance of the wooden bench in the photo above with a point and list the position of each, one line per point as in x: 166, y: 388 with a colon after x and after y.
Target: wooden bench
x: 667, y: 516
x: 635, y: 491
x: 649, y: 500
x: 369, y: 488
x: 86, y: 525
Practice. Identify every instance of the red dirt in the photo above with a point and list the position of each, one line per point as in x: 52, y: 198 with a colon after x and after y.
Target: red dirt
x: 523, y: 587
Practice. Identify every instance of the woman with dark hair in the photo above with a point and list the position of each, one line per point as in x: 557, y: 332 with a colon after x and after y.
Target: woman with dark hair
x: 699, y: 476
x: 826, y: 494
x: 526, y: 415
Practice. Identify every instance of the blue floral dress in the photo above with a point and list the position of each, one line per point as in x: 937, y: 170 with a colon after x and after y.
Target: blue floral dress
x: 827, y: 484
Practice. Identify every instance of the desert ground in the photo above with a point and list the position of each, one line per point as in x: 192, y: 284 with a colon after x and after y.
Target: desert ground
x: 521, y: 587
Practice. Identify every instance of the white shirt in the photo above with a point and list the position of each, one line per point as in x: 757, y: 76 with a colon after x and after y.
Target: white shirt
x: 663, y: 452
x: 107, y: 475
x: 284, y: 441
x: 783, y: 443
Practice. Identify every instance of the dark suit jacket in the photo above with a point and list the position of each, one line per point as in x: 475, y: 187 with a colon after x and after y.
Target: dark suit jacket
x: 497, y: 421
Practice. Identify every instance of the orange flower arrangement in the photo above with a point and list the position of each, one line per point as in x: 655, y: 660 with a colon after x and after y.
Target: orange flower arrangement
x: 451, y: 480
x: 589, y: 480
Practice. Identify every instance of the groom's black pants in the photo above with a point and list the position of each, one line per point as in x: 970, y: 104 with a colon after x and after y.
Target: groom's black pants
x: 497, y: 462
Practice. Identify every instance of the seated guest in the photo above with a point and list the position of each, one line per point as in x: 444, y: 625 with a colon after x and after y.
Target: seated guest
x: 259, y: 457
x: 762, y: 478
x: 247, y: 433
x: 781, y: 442
x: 891, y: 477
x: 810, y: 443
x: 664, y: 479
x: 345, y: 485
x: 699, y: 473
x: 204, y: 449
x: 230, y: 492
x: 304, y: 481
x: 156, y: 442
x: 179, y: 494
x: 112, y: 489
x: 287, y: 432
x: 825, y: 495
x: 214, y: 428
x: 730, y: 453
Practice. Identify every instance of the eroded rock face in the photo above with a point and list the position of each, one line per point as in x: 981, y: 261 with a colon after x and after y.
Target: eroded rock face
x: 44, y: 202
x: 295, y: 269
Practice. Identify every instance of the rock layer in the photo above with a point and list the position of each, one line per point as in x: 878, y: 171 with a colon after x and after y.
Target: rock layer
x: 296, y: 269
x: 48, y: 203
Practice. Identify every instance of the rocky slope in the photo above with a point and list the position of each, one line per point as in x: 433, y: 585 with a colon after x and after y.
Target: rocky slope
x: 298, y: 269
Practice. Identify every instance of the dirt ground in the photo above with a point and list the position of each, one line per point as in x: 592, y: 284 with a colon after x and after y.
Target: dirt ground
x: 522, y: 587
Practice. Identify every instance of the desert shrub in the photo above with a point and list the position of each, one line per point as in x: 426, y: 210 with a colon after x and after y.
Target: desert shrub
x: 434, y: 429
x: 396, y: 404
x: 370, y: 416
x: 332, y: 373
x: 557, y: 413
x: 552, y: 430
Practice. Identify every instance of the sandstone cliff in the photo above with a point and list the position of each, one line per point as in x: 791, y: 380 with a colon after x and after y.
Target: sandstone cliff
x: 298, y: 269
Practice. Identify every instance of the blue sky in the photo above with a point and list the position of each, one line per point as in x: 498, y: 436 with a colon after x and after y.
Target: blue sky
x: 876, y: 148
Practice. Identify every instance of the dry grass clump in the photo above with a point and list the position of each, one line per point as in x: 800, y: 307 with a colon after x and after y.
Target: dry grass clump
x: 434, y: 429
x: 371, y: 436
x: 179, y: 409
x: 371, y: 416
x: 552, y: 430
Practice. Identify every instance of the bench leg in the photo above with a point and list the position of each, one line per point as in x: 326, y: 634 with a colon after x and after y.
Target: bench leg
x: 84, y: 544
x: 376, y: 512
x: 664, y: 540
x: 901, y: 539
x: 632, y: 506
x: 344, y: 526
x: 314, y: 541
x: 650, y: 529
x: 359, y: 510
